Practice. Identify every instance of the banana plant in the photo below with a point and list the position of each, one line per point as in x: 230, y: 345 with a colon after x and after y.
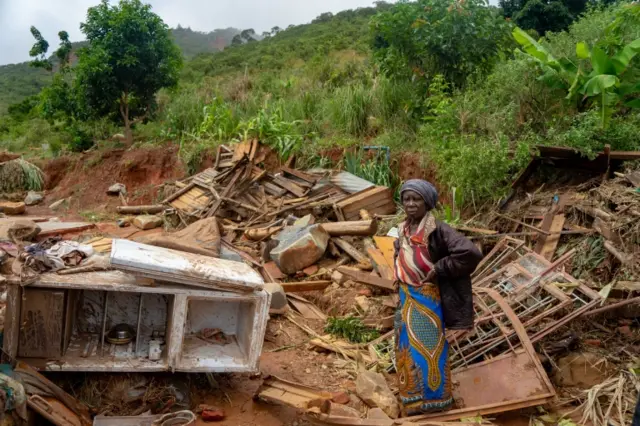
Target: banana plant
x: 603, y: 85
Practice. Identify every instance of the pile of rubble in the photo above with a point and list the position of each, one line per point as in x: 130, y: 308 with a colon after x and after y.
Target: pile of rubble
x: 557, y: 259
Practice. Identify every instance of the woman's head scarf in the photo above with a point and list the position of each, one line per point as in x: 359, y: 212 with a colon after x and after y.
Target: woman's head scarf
x: 427, y: 191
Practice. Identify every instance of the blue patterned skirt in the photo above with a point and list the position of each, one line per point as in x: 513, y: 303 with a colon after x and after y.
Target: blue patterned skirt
x: 422, y: 352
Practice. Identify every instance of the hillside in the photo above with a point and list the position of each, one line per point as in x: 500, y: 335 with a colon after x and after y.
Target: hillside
x: 18, y: 81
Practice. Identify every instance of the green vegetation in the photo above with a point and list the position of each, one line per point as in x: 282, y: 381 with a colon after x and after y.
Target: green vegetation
x: 352, y: 329
x: 130, y: 56
x: 453, y: 81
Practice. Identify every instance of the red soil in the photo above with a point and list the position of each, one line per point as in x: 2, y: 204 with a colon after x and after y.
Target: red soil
x: 87, y: 177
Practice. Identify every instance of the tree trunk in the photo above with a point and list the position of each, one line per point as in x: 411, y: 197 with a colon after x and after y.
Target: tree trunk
x: 124, y: 112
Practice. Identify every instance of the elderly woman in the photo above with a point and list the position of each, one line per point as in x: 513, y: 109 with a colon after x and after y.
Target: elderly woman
x: 433, y: 266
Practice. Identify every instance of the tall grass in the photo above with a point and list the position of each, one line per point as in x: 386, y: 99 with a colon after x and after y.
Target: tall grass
x: 350, y: 109
x: 376, y: 170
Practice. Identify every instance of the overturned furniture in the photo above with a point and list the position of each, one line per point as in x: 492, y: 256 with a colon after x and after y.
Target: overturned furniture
x: 178, y: 312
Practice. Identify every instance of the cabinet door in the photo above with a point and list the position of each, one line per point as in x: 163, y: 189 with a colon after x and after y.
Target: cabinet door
x: 41, y: 323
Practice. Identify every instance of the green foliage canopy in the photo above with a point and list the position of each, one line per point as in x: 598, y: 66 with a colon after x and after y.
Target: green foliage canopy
x: 424, y: 38
x: 131, y: 55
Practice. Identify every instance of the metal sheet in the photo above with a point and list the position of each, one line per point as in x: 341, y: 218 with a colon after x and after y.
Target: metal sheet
x: 186, y: 268
x: 350, y: 183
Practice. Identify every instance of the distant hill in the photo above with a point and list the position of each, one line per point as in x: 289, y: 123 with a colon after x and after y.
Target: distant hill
x: 193, y: 43
x: 19, y: 81
x: 328, y: 33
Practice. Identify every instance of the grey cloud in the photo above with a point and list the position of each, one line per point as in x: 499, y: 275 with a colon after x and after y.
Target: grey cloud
x: 51, y: 16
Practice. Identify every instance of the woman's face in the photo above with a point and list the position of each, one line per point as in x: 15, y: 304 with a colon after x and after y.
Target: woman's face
x: 413, y: 205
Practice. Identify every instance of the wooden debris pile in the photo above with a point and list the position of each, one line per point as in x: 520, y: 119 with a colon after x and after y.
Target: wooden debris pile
x: 244, y: 195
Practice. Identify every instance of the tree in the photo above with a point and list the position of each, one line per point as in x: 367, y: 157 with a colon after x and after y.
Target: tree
x: 266, y: 34
x: 64, y: 51
x: 131, y: 55
x: 237, y: 40
x: 248, y: 35
x: 543, y: 15
x: 419, y: 40
x: 275, y: 30
x: 39, y: 51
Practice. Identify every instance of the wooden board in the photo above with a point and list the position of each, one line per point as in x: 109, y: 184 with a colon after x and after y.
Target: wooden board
x: 276, y: 390
x: 42, y: 319
x: 241, y: 149
x: 300, y: 175
x: 380, y: 263
x: 551, y: 241
x: 376, y: 200
x: 182, y: 267
x: 367, y: 278
x: 193, y: 200
x: 305, y: 286
x: 385, y: 244
x: 290, y: 186
x: 49, y: 229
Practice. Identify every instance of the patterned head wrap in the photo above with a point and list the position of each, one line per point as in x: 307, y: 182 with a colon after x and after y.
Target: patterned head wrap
x: 427, y: 191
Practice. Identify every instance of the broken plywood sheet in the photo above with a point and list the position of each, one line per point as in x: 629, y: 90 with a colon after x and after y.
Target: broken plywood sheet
x: 185, y: 268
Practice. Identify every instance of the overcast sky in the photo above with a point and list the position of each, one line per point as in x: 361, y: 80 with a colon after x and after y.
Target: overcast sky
x: 51, y: 16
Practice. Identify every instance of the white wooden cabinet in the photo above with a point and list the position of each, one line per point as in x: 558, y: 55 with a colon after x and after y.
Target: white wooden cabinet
x: 173, y: 313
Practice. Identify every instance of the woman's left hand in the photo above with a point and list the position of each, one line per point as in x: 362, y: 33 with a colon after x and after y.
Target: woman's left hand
x: 431, y: 277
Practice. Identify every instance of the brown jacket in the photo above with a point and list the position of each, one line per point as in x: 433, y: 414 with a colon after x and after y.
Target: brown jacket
x: 455, y: 258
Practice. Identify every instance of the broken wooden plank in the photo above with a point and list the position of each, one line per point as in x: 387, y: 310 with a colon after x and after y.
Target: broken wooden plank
x: 273, y: 189
x: 594, y: 212
x: 50, y: 229
x: 385, y: 244
x: 354, y: 253
x: 380, y: 263
x: 149, y: 209
x: 307, y: 309
x: 625, y: 259
x: 526, y: 225
x: 480, y: 231
x: 241, y: 150
x: 178, y: 193
x: 300, y: 286
x: 259, y: 234
x: 290, y: 186
x: 603, y: 228
x: 550, y: 241
x: 377, y: 200
x: 279, y: 391
x: 628, y: 286
x: 300, y: 175
x: 366, y: 278
x: 225, y: 193
x: 359, y: 228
